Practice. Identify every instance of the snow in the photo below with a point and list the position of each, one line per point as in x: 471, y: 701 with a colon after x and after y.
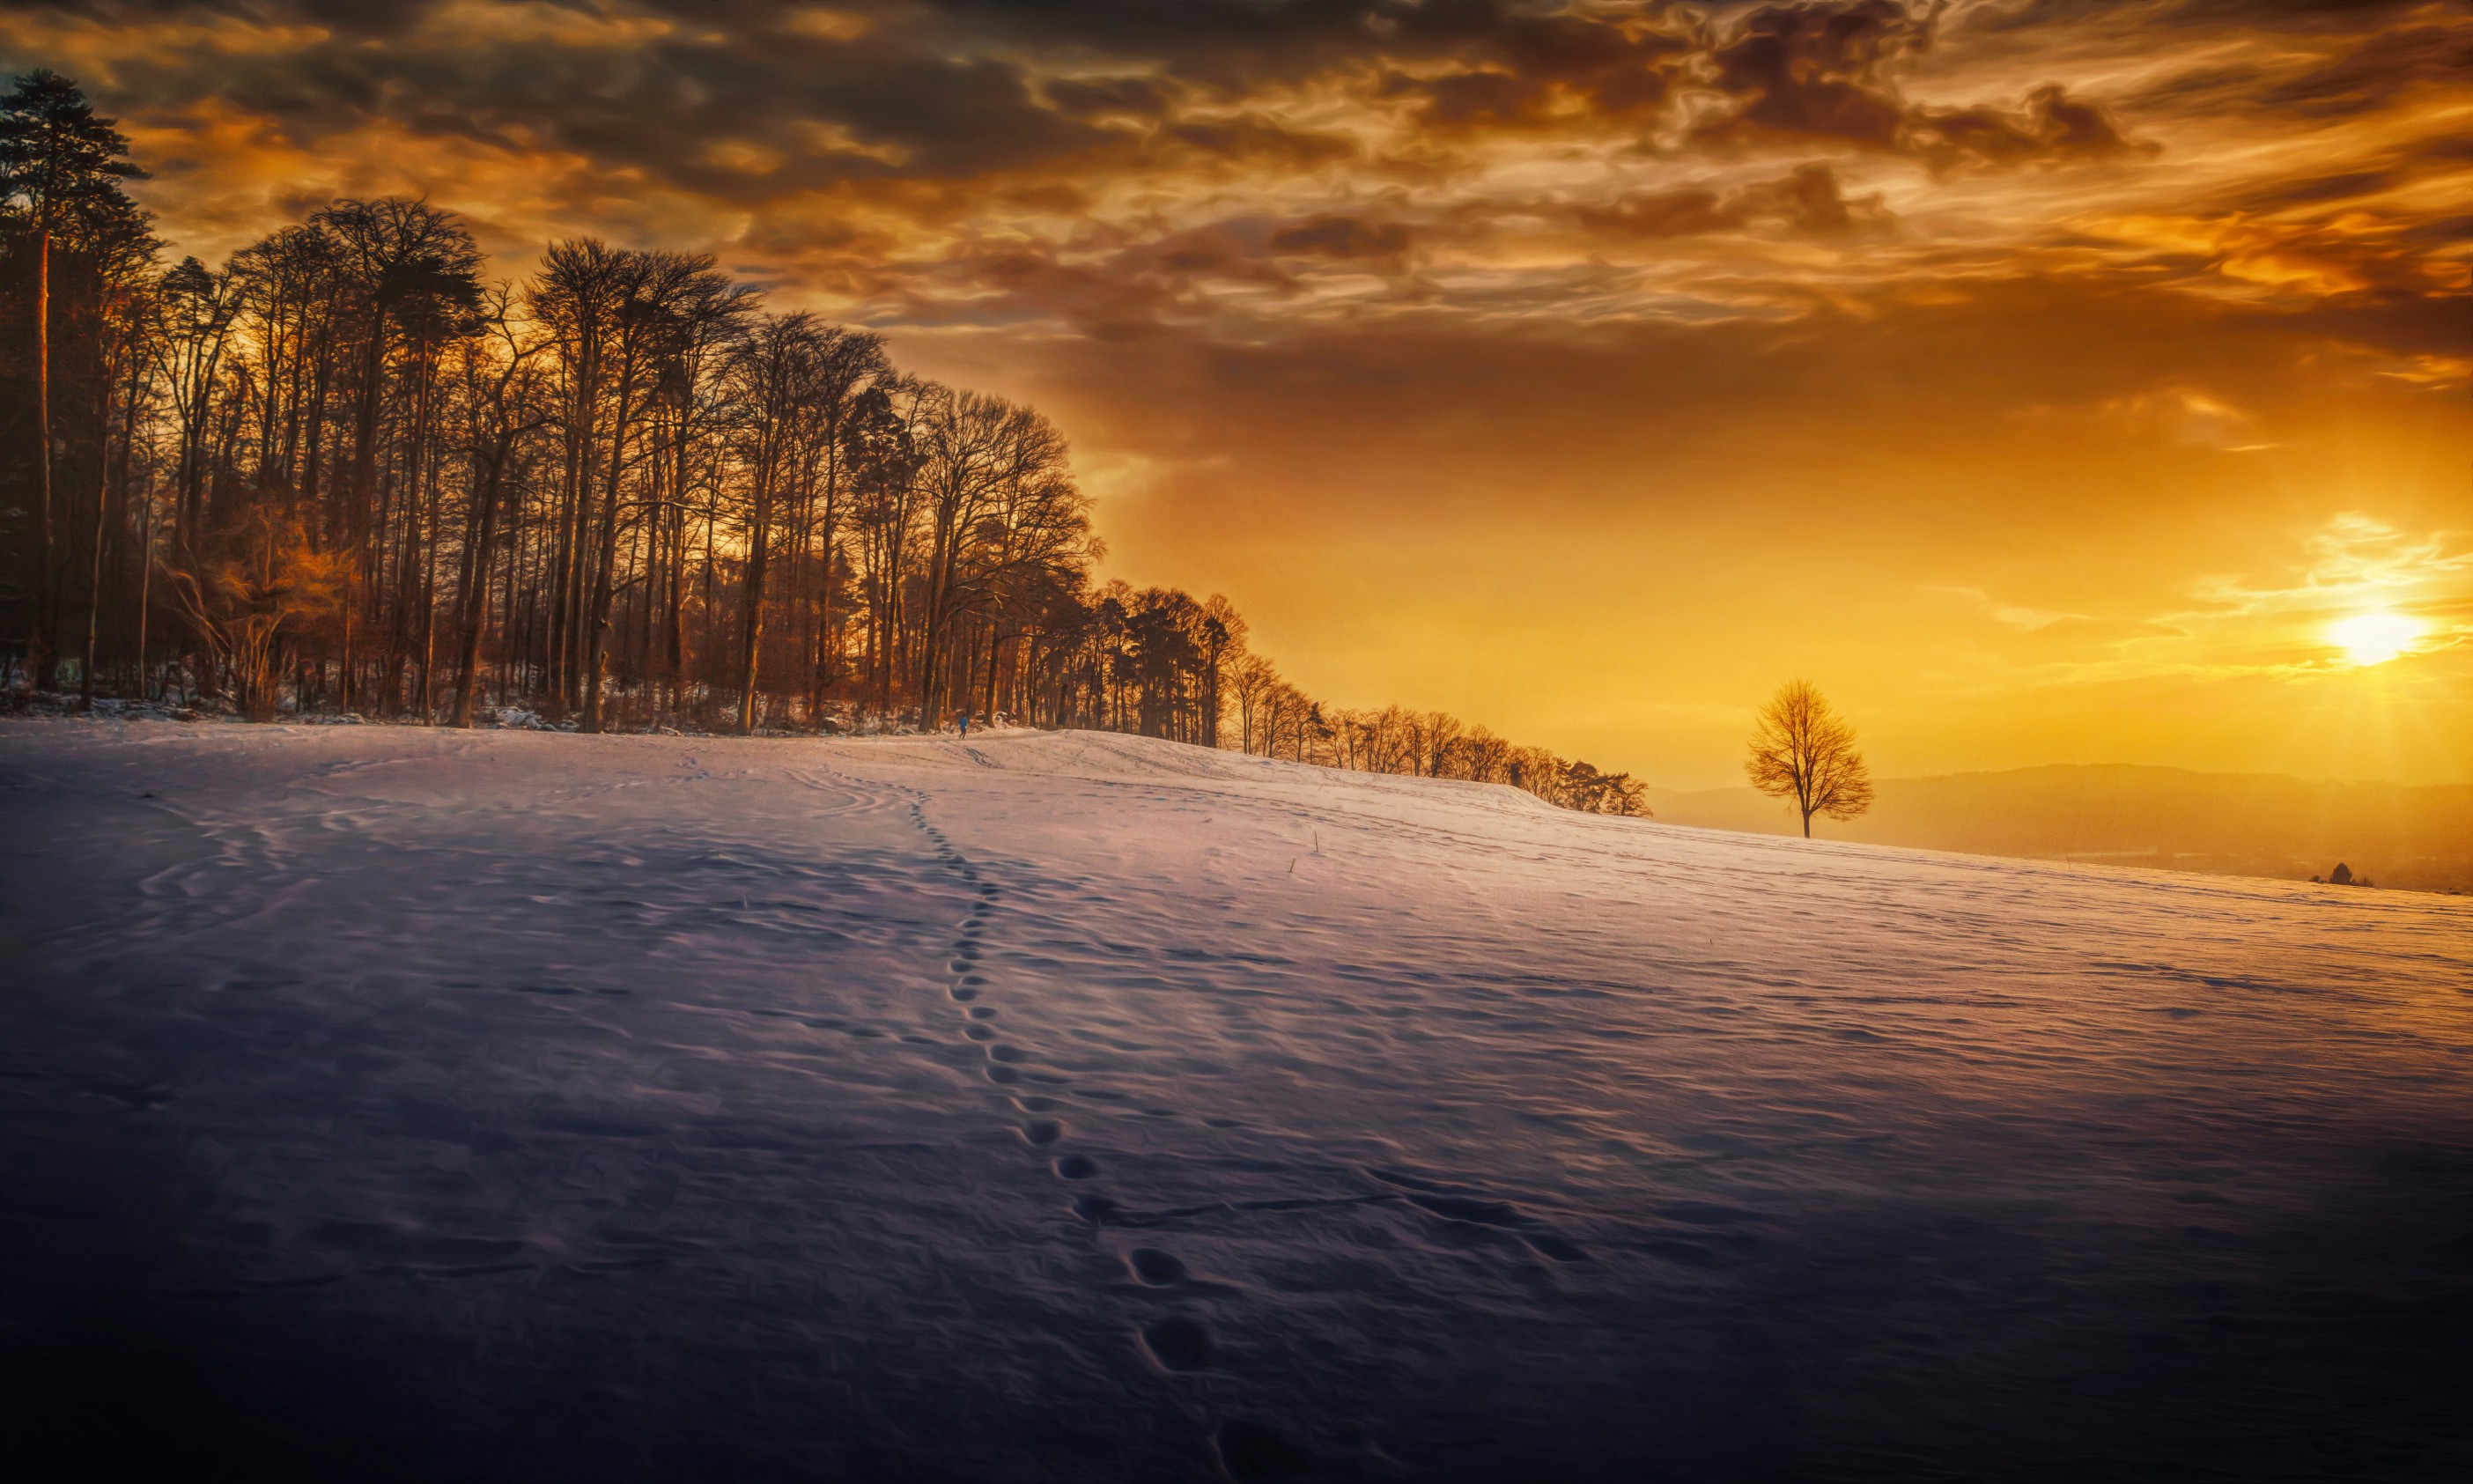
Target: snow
x: 501, y: 1104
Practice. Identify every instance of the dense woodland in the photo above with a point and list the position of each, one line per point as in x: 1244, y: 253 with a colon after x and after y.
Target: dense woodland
x: 350, y: 471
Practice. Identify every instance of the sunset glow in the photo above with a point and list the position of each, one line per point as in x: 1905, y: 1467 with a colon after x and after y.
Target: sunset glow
x: 2375, y: 638
x: 1128, y: 740
x: 2031, y: 373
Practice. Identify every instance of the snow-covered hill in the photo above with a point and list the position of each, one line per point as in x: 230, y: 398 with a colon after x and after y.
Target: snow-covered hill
x: 1082, y: 1107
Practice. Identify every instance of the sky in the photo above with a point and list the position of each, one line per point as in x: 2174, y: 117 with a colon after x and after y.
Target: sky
x: 2047, y: 380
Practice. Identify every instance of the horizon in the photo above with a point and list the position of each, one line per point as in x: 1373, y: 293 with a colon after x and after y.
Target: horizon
x: 1127, y: 740
x: 2102, y: 365
x: 2138, y: 767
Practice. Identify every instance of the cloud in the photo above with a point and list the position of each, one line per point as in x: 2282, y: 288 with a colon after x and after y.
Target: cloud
x: 1824, y: 72
x: 1701, y: 325
x: 1808, y: 200
x: 2330, y: 64
x: 2189, y: 415
x: 1817, y: 72
x: 2052, y: 126
x: 1344, y: 237
x: 2355, y: 562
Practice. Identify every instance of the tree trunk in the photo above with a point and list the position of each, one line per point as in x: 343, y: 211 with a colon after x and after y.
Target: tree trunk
x: 596, y: 633
x: 476, y: 590
x: 757, y: 542
x: 43, y: 660
x: 145, y: 590
x: 93, y: 597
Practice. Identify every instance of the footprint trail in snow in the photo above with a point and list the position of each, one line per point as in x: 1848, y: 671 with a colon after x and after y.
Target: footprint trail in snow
x: 1071, y: 1106
x: 1177, y: 1343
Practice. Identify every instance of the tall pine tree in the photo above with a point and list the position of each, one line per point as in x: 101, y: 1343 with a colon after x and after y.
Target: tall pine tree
x: 61, y: 170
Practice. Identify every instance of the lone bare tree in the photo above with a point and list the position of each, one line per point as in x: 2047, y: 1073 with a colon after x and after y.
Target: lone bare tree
x: 1804, y: 751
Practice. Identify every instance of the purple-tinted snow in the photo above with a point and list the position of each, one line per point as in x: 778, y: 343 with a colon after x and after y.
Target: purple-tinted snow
x: 383, y: 1101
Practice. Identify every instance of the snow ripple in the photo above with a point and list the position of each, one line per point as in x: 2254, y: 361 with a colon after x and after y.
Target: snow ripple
x: 398, y: 1103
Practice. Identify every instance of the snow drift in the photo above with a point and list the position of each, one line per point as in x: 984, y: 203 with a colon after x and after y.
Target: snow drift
x: 1081, y: 1106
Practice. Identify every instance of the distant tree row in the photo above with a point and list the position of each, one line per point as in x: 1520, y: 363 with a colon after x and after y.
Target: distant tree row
x: 1273, y: 718
x: 346, y: 470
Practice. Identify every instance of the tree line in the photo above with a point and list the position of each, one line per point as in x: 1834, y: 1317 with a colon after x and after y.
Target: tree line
x: 348, y: 471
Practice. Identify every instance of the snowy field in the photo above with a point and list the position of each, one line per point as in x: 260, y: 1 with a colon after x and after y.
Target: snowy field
x: 381, y: 1102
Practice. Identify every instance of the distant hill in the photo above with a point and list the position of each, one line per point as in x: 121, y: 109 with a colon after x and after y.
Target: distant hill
x: 2260, y: 824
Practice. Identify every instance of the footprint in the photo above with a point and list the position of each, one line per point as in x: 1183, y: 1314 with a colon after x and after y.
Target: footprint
x: 1004, y: 1076
x: 1043, y: 1131
x: 1178, y: 1343
x: 1155, y: 1267
x: 1250, y: 1450
x: 980, y: 1031
x: 1002, y: 1053
x: 1076, y: 1167
x: 983, y: 1012
x: 964, y: 992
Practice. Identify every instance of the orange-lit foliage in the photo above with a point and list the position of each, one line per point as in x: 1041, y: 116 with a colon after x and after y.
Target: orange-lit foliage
x: 254, y: 584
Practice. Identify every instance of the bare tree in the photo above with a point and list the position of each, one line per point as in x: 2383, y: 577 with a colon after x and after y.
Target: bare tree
x: 505, y: 400
x: 1802, y: 750
x: 618, y: 493
x: 656, y: 293
x: 774, y: 374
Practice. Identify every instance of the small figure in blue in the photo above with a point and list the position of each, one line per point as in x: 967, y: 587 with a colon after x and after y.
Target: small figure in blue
x: 966, y: 726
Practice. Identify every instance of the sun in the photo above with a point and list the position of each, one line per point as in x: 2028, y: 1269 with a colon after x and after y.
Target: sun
x: 2373, y: 638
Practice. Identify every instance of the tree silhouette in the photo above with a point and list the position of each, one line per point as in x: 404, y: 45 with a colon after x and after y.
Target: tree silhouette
x: 1802, y: 751
x: 619, y: 494
x: 64, y: 165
